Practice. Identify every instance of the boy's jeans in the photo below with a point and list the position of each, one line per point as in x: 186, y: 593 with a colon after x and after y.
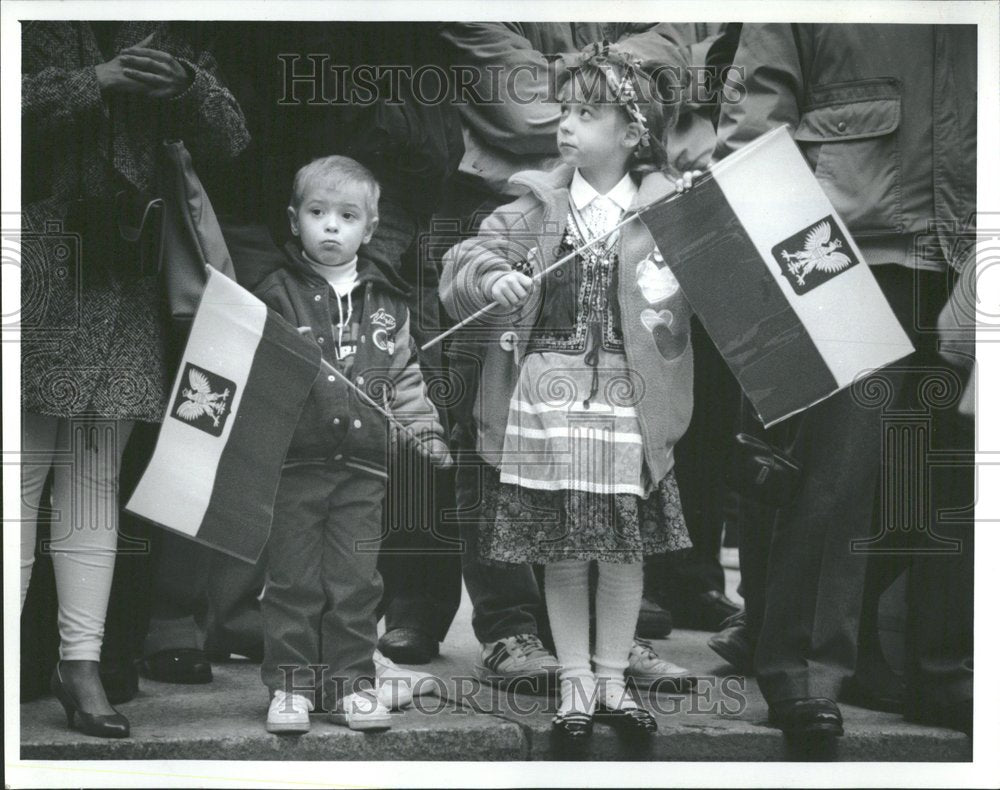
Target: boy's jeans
x: 322, y: 587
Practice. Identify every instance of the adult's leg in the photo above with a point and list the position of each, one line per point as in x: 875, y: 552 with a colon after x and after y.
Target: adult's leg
x: 38, y: 446
x: 690, y: 586
x: 505, y: 599
x: 83, y: 543
x: 808, y: 637
x: 420, y: 558
x: 351, y: 582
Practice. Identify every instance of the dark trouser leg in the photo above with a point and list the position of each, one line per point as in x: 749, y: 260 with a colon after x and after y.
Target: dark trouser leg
x: 234, y: 622
x: 700, y: 456
x: 505, y: 601
x: 420, y: 560
x: 294, y: 597
x: 351, y: 582
x: 129, y: 608
x: 808, y: 637
x: 932, y: 533
x: 180, y: 595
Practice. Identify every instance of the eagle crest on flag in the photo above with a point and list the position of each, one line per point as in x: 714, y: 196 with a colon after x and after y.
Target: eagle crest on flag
x: 205, y: 403
x: 821, y: 252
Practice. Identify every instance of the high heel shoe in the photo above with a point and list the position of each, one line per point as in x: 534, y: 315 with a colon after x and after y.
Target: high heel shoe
x: 112, y: 725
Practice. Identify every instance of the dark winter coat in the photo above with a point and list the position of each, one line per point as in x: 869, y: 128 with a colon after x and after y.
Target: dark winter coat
x: 92, y: 339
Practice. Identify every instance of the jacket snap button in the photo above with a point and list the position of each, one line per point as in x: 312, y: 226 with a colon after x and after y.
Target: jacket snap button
x: 357, y: 423
x: 336, y: 420
x: 320, y: 340
x: 841, y: 127
x: 317, y: 297
x: 331, y: 378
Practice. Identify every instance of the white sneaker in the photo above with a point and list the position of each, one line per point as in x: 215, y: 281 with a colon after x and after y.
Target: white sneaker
x: 396, y: 687
x: 363, y: 711
x: 288, y: 713
x: 649, y: 671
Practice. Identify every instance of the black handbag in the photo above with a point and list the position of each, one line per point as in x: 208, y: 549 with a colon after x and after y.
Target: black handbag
x: 762, y: 472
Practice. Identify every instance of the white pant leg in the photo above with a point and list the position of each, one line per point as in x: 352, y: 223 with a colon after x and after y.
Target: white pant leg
x: 38, y: 445
x: 619, y: 596
x: 85, y: 531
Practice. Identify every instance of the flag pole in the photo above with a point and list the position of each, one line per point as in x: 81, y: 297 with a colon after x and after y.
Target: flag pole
x: 535, y: 278
x: 307, y: 330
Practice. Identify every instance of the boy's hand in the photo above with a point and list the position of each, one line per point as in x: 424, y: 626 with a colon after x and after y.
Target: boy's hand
x: 684, y: 182
x: 512, y: 290
x: 436, y: 450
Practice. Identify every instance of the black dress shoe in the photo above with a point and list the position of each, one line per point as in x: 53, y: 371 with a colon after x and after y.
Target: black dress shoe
x: 408, y: 646
x: 705, y: 612
x: 120, y: 679
x: 636, y: 721
x: 655, y: 622
x: 807, y: 716
x: 734, y: 644
x: 182, y: 665
x: 572, y: 726
x: 112, y: 725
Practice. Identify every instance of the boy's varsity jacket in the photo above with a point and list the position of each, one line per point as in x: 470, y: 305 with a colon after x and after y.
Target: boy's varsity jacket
x: 654, y: 313
x: 336, y: 424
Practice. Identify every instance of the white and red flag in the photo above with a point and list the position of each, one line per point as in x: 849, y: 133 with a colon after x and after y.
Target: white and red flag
x: 776, y: 279
x: 237, y: 397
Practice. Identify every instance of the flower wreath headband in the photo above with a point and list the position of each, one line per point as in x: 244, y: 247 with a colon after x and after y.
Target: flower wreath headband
x: 623, y: 89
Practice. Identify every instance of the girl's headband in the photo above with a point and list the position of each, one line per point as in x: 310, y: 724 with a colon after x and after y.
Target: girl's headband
x: 623, y: 89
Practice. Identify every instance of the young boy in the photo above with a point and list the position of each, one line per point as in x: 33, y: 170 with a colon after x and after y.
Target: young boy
x: 322, y: 587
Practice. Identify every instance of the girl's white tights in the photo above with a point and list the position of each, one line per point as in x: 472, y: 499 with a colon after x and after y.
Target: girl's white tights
x: 619, y: 595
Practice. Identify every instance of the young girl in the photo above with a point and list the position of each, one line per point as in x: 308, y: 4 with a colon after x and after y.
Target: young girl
x: 586, y: 380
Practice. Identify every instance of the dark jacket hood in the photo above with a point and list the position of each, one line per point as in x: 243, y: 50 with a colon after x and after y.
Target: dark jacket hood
x: 371, y: 269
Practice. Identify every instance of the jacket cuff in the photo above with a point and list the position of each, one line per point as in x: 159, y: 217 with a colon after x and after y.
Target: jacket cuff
x: 189, y: 100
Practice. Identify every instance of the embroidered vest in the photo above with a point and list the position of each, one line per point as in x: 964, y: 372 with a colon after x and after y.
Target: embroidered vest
x: 580, y: 309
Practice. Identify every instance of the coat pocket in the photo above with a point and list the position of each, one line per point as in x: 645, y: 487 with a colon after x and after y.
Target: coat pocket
x: 849, y: 135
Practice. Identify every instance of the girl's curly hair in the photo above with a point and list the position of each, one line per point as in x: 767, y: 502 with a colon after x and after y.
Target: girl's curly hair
x: 607, y: 74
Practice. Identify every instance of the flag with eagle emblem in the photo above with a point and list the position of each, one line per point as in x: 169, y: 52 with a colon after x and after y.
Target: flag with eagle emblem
x: 776, y: 279
x: 239, y: 391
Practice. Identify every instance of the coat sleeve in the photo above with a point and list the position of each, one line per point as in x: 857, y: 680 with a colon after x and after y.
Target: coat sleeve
x: 410, y: 403
x: 767, y: 78
x: 516, y: 119
x: 51, y: 96
x: 472, y: 266
x: 206, y: 115
x: 659, y: 44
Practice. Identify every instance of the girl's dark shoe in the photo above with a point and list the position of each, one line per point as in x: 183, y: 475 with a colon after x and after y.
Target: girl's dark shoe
x: 573, y: 726
x: 631, y: 720
x: 113, y: 725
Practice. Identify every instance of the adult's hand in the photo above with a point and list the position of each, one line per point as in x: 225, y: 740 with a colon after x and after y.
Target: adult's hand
x: 144, y: 71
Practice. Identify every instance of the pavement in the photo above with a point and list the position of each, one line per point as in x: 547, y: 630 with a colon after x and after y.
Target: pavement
x: 723, y: 719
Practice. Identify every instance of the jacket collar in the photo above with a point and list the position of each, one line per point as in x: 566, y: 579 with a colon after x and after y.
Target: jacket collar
x: 371, y: 269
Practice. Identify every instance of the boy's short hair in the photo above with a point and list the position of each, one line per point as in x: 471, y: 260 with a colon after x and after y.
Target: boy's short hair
x: 336, y: 169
